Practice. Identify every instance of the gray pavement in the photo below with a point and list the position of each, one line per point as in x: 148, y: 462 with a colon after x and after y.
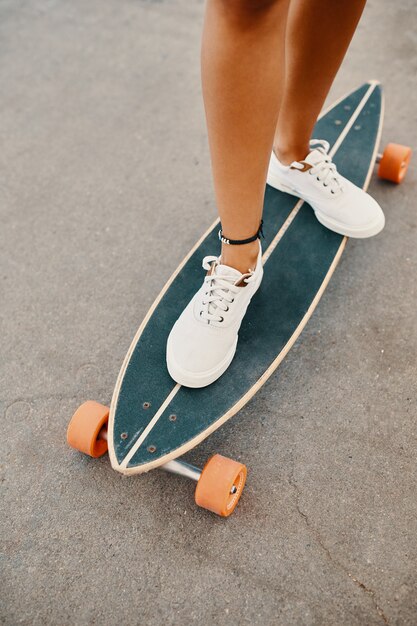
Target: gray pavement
x: 105, y: 185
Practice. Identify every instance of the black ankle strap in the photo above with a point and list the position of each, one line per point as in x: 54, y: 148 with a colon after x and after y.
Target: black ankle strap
x: 239, y: 242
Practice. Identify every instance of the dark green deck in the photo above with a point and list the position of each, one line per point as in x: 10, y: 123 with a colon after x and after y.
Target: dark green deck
x: 293, y: 273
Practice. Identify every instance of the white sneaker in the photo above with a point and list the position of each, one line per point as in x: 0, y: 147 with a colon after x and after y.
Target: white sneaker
x: 338, y: 204
x: 202, y: 342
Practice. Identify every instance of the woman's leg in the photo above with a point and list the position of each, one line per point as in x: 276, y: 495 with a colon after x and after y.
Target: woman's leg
x: 242, y: 75
x: 317, y: 37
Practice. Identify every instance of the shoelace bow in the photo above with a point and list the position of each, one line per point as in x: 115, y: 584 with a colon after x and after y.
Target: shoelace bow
x: 220, y: 291
x: 325, y: 170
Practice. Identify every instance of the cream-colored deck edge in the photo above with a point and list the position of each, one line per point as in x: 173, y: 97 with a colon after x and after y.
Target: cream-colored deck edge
x: 251, y: 392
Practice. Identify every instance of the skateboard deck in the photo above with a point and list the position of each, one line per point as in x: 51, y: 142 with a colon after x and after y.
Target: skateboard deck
x: 152, y: 419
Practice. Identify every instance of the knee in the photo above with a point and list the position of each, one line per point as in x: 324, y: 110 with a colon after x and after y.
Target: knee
x: 248, y: 8
x: 255, y: 5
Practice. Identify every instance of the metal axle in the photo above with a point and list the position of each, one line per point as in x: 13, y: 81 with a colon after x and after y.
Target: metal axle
x: 181, y: 468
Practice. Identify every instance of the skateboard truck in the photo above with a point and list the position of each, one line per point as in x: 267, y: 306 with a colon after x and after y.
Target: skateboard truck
x: 219, y: 484
x: 181, y: 468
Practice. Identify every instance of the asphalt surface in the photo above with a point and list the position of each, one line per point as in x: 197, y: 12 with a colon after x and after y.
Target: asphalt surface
x: 105, y: 185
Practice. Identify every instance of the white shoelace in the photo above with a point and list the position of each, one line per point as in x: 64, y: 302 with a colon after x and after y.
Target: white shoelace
x: 220, y: 292
x: 325, y: 170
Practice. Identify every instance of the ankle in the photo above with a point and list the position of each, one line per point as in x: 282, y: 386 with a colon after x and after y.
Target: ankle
x: 287, y: 154
x: 241, y: 258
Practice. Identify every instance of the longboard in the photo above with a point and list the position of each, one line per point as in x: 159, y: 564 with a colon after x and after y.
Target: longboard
x: 153, y: 420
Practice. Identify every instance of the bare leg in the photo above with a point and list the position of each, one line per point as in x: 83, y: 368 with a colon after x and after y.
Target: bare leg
x: 242, y: 75
x: 317, y: 37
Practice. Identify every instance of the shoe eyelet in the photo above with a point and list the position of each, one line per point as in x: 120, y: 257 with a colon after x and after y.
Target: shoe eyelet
x: 324, y: 185
x: 331, y: 191
x: 221, y: 319
x: 318, y: 178
x: 227, y: 308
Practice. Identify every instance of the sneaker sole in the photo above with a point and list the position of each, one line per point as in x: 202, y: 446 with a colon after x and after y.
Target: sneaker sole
x: 190, y: 379
x: 370, y: 230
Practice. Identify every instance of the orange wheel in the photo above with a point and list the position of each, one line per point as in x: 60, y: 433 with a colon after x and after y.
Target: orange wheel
x: 83, y: 432
x: 394, y: 162
x: 220, y: 485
